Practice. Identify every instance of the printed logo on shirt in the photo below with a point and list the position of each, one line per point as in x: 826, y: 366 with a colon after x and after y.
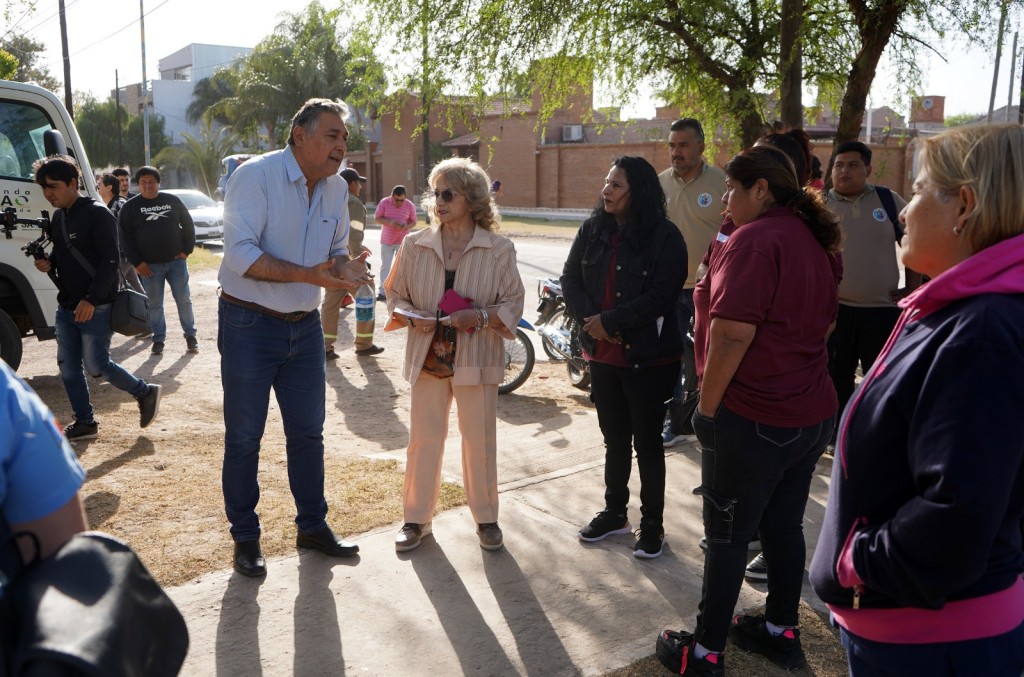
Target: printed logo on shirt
x: 156, y: 213
x: 704, y: 199
x: 722, y: 237
x: 879, y: 214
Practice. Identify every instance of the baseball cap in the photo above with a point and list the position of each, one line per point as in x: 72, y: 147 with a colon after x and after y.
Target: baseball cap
x: 351, y: 175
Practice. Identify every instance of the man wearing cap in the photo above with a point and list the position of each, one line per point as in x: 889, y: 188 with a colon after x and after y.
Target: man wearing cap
x: 396, y: 216
x: 335, y: 299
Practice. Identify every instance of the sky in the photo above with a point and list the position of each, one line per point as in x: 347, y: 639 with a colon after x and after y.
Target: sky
x: 101, y: 40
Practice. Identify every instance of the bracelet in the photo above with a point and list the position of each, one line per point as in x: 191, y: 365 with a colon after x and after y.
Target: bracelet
x: 486, y: 318
x: 479, y: 319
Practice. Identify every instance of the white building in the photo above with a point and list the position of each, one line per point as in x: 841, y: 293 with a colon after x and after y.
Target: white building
x: 179, y: 72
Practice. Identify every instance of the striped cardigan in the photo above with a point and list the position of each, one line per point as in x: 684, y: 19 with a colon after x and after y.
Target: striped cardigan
x: 486, y: 273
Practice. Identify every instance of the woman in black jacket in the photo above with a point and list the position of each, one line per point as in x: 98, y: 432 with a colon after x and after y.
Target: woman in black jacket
x: 620, y: 282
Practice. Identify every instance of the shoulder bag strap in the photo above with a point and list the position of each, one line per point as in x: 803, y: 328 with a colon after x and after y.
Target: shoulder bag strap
x: 71, y: 248
x: 885, y: 195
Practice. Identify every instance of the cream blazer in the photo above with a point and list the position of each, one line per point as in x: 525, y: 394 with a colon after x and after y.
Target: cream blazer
x: 486, y: 273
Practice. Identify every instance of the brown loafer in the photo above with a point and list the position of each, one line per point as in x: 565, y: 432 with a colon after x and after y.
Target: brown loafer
x: 411, y: 535
x: 490, y: 536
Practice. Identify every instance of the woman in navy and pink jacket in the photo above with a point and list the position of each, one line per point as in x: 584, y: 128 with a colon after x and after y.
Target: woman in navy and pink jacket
x: 920, y: 555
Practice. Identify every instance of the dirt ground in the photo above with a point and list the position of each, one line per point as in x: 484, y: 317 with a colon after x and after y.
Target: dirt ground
x: 159, y: 488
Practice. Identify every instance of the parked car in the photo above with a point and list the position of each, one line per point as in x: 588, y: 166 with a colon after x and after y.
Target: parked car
x: 207, y: 214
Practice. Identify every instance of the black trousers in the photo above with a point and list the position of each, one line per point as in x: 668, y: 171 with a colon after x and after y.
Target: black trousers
x: 859, y: 336
x: 630, y: 410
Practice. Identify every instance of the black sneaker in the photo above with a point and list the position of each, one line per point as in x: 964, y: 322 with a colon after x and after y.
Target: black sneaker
x: 648, y: 542
x: 606, y: 524
x: 675, y: 651
x: 158, y: 347
x: 757, y: 570
x: 750, y: 634
x: 81, y: 430
x: 149, y: 404
x: 191, y: 344
x: 368, y: 352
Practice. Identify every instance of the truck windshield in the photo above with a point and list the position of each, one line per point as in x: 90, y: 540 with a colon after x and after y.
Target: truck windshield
x: 21, y: 138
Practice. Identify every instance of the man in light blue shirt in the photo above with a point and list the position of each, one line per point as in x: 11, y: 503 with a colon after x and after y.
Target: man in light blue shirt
x: 285, y: 236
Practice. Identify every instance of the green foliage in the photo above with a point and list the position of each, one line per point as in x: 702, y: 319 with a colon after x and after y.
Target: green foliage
x: 29, y: 54
x: 208, y: 92
x: 961, y: 119
x: 201, y: 156
x: 8, y: 65
x: 304, y: 58
x: 97, y: 126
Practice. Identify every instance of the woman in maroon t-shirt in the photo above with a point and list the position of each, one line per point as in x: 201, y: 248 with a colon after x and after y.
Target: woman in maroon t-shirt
x: 767, y: 406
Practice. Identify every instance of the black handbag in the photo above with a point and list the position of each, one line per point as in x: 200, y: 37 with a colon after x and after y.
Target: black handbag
x: 91, y: 608
x: 129, y: 314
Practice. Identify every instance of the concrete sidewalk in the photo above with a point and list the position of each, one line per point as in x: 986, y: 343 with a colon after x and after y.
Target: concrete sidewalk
x: 545, y: 604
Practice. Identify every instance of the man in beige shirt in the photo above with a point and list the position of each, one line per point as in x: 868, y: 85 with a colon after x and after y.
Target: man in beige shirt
x: 694, y: 190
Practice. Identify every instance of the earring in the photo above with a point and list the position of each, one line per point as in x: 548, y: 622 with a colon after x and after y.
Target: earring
x: 957, y: 230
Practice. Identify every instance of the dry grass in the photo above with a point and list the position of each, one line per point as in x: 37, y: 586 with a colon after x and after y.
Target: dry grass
x: 825, y: 655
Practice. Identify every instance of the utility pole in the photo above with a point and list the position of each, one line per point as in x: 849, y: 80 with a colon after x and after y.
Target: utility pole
x: 67, y: 58
x: 145, y: 89
x: 117, y: 116
x: 1013, y: 74
x: 999, y: 53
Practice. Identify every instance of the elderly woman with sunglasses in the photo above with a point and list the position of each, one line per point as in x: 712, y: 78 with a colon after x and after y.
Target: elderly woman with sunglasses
x: 454, y: 283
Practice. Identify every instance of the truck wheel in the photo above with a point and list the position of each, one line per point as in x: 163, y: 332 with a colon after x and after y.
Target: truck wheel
x: 10, y: 341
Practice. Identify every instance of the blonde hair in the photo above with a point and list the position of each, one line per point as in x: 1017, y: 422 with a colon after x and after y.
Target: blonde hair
x: 989, y: 160
x: 465, y: 177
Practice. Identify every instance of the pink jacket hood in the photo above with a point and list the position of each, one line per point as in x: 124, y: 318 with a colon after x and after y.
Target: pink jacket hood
x: 998, y: 269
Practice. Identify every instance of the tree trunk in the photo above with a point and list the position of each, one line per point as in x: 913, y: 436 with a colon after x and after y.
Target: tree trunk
x: 751, y: 124
x: 791, y: 64
x: 876, y: 28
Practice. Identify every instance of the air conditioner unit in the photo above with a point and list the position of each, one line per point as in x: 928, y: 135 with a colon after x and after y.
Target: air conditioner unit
x: 572, y: 132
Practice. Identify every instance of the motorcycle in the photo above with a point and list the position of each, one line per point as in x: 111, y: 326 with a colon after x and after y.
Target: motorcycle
x: 519, y: 359
x: 560, y: 334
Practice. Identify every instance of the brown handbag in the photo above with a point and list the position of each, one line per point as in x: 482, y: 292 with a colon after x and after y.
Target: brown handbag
x: 440, y: 360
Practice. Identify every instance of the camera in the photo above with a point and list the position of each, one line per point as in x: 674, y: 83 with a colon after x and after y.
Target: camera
x: 36, y: 248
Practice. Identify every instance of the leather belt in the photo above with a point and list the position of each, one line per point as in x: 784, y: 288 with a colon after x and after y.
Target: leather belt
x: 297, y: 316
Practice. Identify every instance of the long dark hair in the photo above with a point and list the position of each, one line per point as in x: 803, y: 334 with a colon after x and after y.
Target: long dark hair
x: 646, y: 201
x: 775, y: 167
x: 797, y: 145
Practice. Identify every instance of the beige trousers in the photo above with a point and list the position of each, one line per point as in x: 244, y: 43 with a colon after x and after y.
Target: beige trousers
x: 428, y: 429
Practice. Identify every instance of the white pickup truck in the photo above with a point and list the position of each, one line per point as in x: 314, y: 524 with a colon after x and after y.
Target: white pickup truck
x: 33, y: 124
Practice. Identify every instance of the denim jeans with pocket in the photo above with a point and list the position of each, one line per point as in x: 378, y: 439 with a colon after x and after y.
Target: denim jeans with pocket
x: 260, y: 353
x: 84, y: 348
x: 176, y: 274
x: 753, y: 477
x: 630, y: 410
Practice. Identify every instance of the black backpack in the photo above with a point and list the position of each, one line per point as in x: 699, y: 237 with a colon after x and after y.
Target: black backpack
x: 889, y: 203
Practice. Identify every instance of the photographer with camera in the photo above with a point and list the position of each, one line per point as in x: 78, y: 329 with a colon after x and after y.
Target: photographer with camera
x: 85, y: 260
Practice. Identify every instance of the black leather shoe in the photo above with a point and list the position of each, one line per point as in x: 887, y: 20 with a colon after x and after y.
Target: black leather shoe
x: 249, y: 559
x: 326, y: 542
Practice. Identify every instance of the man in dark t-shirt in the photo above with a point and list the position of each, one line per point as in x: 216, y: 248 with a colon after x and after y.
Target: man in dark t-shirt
x: 157, y: 236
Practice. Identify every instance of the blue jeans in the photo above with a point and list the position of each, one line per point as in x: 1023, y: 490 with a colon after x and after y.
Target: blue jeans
x: 630, y: 410
x: 85, y: 348
x: 176, y: 274
x: 257, y: 353
x: 753, y: 477
x: 1000, y: 656
x: 387, y: 255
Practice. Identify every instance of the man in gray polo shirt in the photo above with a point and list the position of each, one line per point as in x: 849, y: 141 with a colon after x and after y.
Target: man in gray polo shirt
x: 694, y: 190
x: 870, y: 286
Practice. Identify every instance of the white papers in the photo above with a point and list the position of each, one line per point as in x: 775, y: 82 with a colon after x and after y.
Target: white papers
x: 418, y: 315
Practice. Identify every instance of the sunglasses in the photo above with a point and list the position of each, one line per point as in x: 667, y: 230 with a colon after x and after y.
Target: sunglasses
x: 447, y: 195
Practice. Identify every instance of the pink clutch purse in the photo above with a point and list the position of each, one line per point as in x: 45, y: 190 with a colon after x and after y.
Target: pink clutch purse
x: 452, y: 301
